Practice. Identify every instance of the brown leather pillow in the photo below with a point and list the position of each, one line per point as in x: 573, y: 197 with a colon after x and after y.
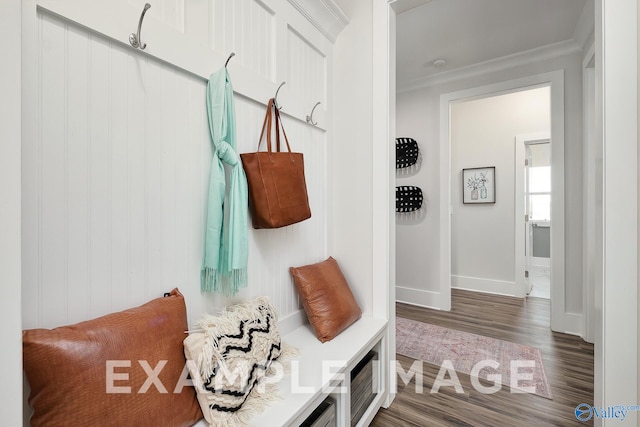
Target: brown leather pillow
x: 68, y: 369
x: 326, y: 297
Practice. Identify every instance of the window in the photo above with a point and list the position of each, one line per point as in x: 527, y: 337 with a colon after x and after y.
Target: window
x: 540, y: 193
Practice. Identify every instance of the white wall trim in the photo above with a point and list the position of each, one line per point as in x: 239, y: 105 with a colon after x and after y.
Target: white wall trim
x: 592, y: 191
x: 401, y: 6
x: 417, y: 297
x: 573, y: 324
x: 10, y: 212
x: 527, y: 57
x: 383, y: 157
x: 445, y: 202
x: 487, y: 286
x: 616, y: 346
x: 598, y: 295
x: 556, y: 80
x: 292, y: 321
x: 589, y: 54
x: 325, y: 15
x: 585, y: 27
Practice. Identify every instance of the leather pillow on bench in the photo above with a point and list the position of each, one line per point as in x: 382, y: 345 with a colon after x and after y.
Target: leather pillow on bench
x: 67, y: 369
x: 326, y: 297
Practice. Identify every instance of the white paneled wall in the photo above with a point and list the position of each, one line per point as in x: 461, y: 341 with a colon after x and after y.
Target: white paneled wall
x: 308, y: 65
x: 116, y: 165
x: 170, y: 12
x: 253, y: 33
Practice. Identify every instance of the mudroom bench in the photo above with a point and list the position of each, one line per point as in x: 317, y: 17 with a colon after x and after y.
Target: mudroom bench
x: 341, y: 372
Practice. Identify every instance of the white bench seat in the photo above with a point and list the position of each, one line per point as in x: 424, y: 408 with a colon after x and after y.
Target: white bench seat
x: 319, y: 368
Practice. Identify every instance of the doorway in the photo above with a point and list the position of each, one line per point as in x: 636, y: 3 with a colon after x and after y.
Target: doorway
x: 489, y: 239
x: 616, y: 121
x: 560, y: 321
x: 536, y: 221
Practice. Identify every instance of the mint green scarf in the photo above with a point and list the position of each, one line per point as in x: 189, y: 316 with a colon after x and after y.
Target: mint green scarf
x: 224, y: 262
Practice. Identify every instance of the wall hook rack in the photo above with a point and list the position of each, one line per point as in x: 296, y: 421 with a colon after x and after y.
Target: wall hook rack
x: 275, y: 98
x: 310, y: 116
x: 229, y: 59
x: 134, y: 38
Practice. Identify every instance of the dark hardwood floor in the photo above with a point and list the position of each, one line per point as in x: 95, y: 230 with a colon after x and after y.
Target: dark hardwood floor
x: 568, y: 363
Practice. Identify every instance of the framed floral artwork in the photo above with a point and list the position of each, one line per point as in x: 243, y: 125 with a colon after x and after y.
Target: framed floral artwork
x: 479, y: 185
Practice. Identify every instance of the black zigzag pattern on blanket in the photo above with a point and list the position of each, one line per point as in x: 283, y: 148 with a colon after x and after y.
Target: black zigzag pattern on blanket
x: 248, y: 387
x: 247, y: 348
x: 270, y: 358
x: 258, y: 326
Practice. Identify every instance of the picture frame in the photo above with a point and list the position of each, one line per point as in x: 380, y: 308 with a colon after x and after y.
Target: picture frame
x: 479, y: 185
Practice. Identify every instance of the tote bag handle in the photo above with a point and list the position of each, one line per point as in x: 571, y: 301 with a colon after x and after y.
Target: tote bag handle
x: 267, y: 124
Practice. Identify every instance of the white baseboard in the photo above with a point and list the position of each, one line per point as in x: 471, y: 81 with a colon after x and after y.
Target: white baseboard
x: 572, y: 324
x: 488, y: 286
x: 428, y: 299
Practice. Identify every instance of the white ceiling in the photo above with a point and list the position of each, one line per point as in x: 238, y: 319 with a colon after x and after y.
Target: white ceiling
x: 466, y: 32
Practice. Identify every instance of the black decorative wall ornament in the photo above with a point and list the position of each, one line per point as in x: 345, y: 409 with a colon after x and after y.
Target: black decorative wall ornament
x: 408, y: 199
x: 406, y: 152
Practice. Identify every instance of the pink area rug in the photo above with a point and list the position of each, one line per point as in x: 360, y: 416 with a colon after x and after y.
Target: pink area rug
x: 435, y: 344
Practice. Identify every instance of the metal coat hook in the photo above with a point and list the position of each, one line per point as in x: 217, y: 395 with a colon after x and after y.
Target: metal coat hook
x: 229, y: 59
x: 310, y: 116
x: 275, y: 98
x: 134, y: 38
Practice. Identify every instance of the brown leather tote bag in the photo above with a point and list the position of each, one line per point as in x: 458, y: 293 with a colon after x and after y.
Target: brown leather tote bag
x: 277, y: 186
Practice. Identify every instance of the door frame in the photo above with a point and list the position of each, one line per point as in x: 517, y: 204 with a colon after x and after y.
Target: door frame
x: 615, y: 317
x: 521, y: 262
x: 560, y: 321
x: 616, y: 296
x: 10, y: 211
x: 592, y: 194
x: 383, y: 110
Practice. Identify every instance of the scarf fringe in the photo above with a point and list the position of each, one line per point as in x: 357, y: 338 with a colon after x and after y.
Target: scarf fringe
x: 212, y: 280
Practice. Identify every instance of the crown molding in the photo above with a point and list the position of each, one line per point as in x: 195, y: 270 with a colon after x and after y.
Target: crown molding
x: 325, y: 15
x: 401, y: 6
x: 526, y: 57
x: 586, y: 25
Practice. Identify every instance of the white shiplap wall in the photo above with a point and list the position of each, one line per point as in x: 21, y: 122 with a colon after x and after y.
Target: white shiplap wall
x: 246, y: 26
x: 308, y: 64
x: 117, y: 159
